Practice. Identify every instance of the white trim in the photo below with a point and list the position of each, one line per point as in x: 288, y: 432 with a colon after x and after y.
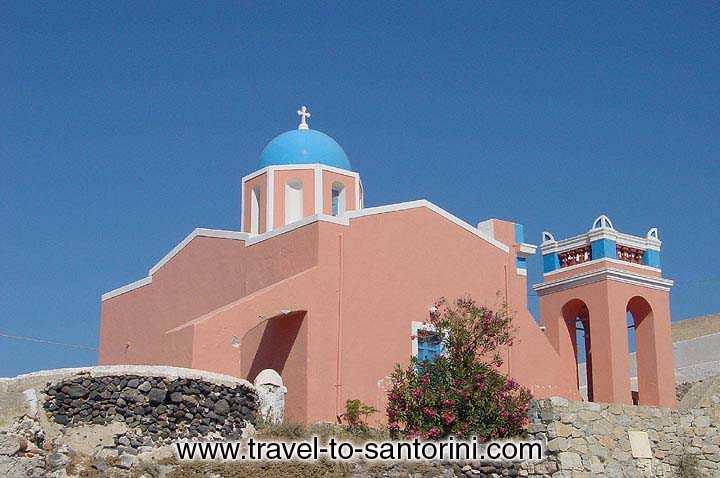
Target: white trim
x: 357, y: 194
x: 598, y: 261
x: 602, y: 222
x: 276, y: 167
x: 333, y: 169
x: 548, y: 238
x: 270, y: 203
x: 521, y: 272
x: 317, y: 171
x: 526, y: 250
x: 487, y: 227
x: 242, y: 204
x: 240, y: 236
x: 343, y: 220
x: 425, y: 203
x: 616, y: 275
x: 255, y: 174
x: 126, y: 288
x: 201, y: 232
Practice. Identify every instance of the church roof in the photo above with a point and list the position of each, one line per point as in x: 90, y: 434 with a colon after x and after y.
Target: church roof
x: 304, y: 146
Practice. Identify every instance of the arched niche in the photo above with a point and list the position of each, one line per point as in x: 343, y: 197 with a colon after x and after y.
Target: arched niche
x: 293, y: 201
x: 338, y: 198
x: 255, y: 210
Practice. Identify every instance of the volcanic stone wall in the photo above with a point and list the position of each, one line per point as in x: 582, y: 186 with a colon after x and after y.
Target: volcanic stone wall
x: 161, y: 408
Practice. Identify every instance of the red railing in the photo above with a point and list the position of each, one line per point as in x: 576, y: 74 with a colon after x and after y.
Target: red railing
x: 575, y: 256
x: 629, y: 254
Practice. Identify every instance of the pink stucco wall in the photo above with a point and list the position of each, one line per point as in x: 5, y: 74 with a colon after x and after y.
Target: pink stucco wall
x: 358, y: 297
x: 381, y: 292
x: 208, y: 273
x: 330, y: 177
x: 351, y: 294
x: 282, y: 177
x: 607, y: 303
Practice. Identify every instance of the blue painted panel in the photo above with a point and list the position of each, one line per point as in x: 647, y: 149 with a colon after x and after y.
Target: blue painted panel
x: 652, y: 258
x: 429, y: 347
x: 521, y: 262
x: 519, y: 233
x: 551, y: 262
x: 603, y: 248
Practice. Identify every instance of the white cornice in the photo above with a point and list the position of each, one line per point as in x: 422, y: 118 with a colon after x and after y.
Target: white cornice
x: 317, y: 178
x: 434, y: 208
x: 525, y: 249
x: 617, y: 275
x: 344, y: 220
x: 270, y: 200
x: 597, y: 234
x: 309, y: 166
x: 598, y: 261
x: 236, y: 235
x: 126, y: 288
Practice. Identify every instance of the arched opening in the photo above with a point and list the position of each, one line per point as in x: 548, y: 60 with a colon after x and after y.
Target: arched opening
x: 640, y: 318
x: 577, y: 320
x: 338, y: 198
x: 632, y: 348
x: 255, y: 211
x: 280, y: 343
x: 293, y: 201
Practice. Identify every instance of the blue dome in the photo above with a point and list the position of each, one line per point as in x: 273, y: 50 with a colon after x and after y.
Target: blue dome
x: 306, y: 146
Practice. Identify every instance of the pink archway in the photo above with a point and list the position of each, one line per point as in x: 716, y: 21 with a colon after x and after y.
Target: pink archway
x: 577, y: 319
x: 646, y: 350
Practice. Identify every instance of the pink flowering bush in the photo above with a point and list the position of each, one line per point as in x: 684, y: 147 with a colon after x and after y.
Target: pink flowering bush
x: 460, y: 393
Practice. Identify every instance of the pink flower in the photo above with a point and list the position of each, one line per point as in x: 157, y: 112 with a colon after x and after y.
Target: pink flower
x: 429, y: 412
x: 448, y: 418
x: 434, y: 433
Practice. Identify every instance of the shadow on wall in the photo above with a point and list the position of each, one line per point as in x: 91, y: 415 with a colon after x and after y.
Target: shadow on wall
x: 280, y: 343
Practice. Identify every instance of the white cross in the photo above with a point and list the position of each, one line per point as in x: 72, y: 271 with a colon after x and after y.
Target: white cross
x: 304, y: 114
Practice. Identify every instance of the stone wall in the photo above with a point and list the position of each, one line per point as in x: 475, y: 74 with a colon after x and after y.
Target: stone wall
x: 585, y: 439
x: 157, y: 409
x: 591, y: 439
x: 115, y: 413
x: 118, y: 412
x: 13, y: 403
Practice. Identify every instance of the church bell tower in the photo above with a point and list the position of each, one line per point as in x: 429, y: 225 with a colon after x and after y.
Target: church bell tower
x: 601, y: 283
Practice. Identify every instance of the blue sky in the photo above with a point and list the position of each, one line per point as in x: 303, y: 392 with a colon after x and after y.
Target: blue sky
x: 123, y: 126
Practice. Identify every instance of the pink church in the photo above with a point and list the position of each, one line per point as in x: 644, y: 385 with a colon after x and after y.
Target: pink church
x: 331, y: 294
